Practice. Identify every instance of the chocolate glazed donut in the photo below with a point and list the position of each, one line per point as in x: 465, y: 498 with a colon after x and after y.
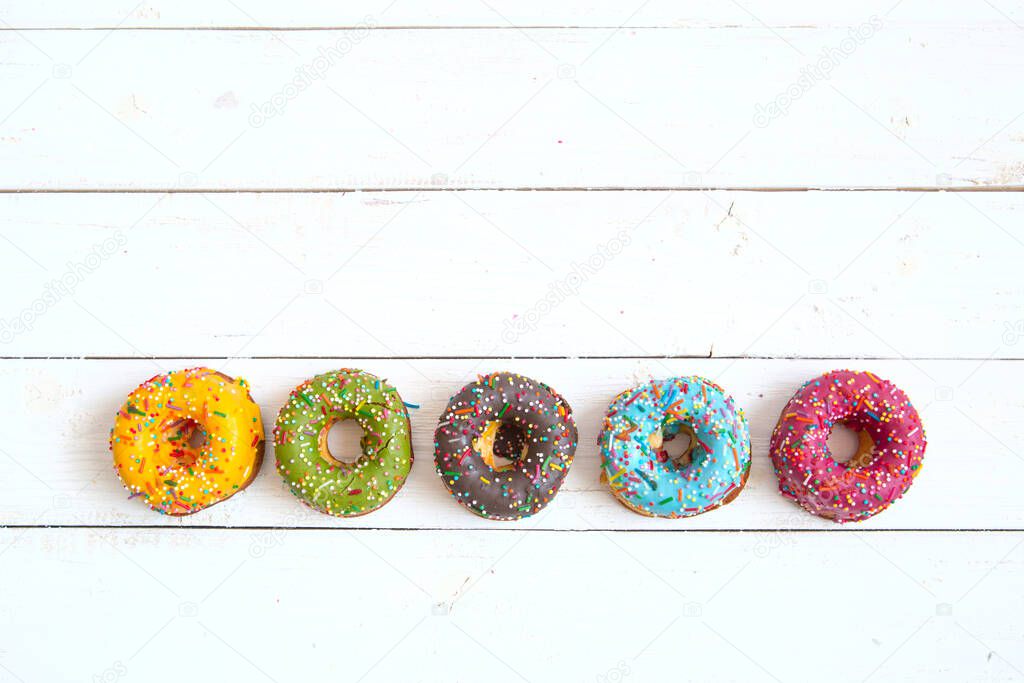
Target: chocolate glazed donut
x: 513, y: 417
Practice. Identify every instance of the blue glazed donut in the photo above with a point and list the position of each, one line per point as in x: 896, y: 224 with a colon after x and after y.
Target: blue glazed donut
x: 640, y: 472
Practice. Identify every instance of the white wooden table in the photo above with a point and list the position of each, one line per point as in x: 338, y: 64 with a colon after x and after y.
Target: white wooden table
x: 591, y: 195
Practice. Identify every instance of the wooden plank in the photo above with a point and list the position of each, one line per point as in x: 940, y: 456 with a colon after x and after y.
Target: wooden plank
x: 443, y: 606
x: 124, y: 14
x: 428, y: 281
x: 513, y: 274
x: 56, y: 469
x: 704, y: 107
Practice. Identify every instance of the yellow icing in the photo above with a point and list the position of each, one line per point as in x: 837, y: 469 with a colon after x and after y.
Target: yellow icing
x: 158, y: 436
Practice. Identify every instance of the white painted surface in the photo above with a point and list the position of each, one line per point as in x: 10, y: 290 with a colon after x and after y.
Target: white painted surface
x: 837, y: 274
x: 513, y: 606
x: 267, y: 14
x: 760, y: 290
x: 65, y: 407
x: 918, y: 106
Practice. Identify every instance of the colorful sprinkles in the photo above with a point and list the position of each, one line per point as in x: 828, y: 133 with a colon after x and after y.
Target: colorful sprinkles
x: 638, y: 469
x: 300, y: 442
x: 513, y: 417
x: 187, y: 440
x: 890, y: 456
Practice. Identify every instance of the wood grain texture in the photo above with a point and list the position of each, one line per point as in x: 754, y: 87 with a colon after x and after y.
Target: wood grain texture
x: 896, y: 105
x: 533, y: 606
x: 57, y: 469
x: 126, y: 130
x: 514, y: 274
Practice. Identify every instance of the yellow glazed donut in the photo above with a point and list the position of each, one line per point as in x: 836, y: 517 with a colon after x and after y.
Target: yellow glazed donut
x: 187, y: 440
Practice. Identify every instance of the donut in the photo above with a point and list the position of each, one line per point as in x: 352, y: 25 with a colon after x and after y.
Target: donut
x: 324, y: 482
x: 888, y: 459
x: 711, y: 472
x: 187, y: 440
x: 515, y: 418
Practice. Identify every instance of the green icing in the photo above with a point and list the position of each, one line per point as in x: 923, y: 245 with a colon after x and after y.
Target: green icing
x: 300, y: 435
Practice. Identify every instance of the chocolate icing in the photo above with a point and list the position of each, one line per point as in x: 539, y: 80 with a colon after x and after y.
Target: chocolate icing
x: 531, y: 415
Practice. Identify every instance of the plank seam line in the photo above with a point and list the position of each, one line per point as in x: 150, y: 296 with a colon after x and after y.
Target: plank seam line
x: 483, y: 27
x: 521, y: 188
x: 945, y: 359
x: 214, y: 527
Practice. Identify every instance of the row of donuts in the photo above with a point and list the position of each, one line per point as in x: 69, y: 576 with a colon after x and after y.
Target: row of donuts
x: 189, y: 439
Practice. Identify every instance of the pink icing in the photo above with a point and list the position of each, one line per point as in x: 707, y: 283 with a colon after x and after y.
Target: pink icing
x: 863, y: 402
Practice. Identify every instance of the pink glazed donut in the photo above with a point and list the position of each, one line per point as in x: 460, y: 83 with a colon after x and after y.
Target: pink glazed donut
x: 889, y: 456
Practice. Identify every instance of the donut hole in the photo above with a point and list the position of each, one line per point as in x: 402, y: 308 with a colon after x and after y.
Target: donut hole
x: 501, y: 444
x: 340, y: 442
x: 186, y: 439
x: 197, y: 439
x: 849, y: 446
x: 509, y: 443
x: 674, y: 442
x: 499, y: 463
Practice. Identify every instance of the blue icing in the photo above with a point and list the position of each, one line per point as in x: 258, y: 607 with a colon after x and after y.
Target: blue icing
x: 720, y: 456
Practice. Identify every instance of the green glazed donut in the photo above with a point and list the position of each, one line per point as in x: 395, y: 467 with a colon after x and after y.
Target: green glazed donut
x: 300, y: 442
